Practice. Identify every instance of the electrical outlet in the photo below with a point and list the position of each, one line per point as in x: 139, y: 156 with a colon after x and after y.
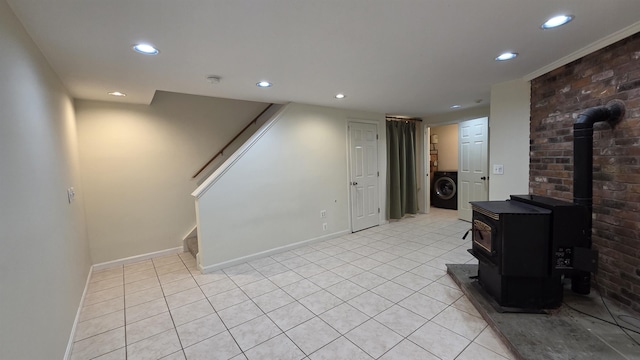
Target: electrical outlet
x: 324, y: 226
x: 498, y: 169
x: 323, y: 214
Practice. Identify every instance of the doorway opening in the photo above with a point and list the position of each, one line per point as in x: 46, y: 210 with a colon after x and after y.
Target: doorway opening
x: 443, y: 166
x: 458, y: 165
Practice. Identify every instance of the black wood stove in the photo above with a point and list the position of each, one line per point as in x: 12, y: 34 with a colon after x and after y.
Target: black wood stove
x: 526, y: 245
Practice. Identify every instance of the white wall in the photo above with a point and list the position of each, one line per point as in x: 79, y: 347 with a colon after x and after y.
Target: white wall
x: 509, y: 138
x: 447, y: 146
x: 137, y: 162
x: 44, y: 256
x: 272, y: 196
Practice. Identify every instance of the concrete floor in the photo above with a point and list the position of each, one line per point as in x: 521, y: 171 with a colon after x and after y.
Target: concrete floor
x: 565, y: 333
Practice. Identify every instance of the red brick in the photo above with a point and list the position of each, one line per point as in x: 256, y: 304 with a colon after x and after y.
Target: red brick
x: 556, y: 100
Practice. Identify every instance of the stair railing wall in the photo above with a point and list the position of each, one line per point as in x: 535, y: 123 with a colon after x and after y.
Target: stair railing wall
x: 221, y: 152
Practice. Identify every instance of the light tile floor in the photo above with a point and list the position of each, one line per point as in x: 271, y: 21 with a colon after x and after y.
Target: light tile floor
x: 382, y: 293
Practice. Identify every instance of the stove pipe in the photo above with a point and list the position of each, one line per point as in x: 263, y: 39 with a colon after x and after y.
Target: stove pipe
x: 612, y: 113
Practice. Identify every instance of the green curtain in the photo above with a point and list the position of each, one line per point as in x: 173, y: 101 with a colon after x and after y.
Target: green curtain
x: 402, y: 189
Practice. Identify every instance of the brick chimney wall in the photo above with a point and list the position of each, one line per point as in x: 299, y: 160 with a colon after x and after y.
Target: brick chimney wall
x: 556, y: 99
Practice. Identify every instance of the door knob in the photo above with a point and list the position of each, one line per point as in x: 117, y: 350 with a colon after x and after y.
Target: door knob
x: 354, y: 183
x: 483, y: 178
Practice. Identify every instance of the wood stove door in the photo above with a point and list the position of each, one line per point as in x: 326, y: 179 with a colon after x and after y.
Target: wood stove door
x: 482, y: 236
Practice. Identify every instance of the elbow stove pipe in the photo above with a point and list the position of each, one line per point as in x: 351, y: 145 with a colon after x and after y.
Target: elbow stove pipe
x: 612, y: 113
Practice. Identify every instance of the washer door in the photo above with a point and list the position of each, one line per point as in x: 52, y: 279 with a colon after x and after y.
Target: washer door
x: 445, y: 188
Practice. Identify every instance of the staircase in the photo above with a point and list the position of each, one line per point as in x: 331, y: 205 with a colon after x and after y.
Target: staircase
x: 191, y: 240
x: 192, y: 245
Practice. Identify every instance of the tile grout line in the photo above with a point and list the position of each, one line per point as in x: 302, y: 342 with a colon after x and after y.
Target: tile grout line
x: 265, y: 314
x: 164, y: 296
x: 295, y: 300
x: 198, y: 285
x: 428, y: 320
x: 215, y: 311
x: 342, y: 301
x: 370, y: 291
x: 124, y: 328
x: 398, y: 304
x: 399, y: 241
x: 157, y: 277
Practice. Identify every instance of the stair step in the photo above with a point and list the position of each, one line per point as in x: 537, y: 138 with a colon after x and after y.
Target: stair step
x: 192, y: 245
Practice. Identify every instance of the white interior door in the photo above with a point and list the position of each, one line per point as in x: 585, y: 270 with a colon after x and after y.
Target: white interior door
x: 363, y: 158
x: 473, y: 168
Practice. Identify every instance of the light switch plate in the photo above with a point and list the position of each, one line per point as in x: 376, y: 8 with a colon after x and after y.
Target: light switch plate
x: 498, y: 169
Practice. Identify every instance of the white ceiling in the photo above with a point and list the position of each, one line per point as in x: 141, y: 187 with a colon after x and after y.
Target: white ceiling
x: 407, y: 57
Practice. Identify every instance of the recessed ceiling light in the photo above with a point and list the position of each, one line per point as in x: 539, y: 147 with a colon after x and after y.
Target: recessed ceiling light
x: 264, y: 84
x: 455, y: 106
x: 117, y: 93
x: 145, y: 49
x: 340, y: 96
x: 557, y: 21
x: 506, y: 56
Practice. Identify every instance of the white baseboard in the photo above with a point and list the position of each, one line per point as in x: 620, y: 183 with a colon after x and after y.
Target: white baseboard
x: 199, y: 262
x: 67, y: 353
x: 243, y: 259
x: 107, y: 265
x: 132, y: 259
